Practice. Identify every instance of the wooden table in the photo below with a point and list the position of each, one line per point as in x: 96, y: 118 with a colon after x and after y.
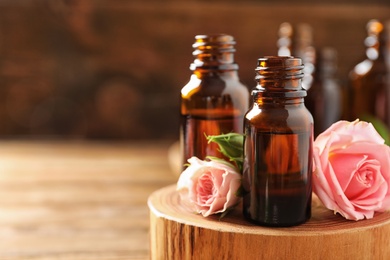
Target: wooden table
x: 78, y: 200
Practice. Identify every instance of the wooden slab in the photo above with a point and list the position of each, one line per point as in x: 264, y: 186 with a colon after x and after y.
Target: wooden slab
x: 177, y: 233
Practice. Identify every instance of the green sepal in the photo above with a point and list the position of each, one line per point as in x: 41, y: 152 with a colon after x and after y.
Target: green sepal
x: 231, y: 145
x: 217, y: 159
x: 223, y: 214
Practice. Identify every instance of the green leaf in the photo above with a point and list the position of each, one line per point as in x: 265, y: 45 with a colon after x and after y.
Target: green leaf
x: 223, y: 214
x: 231, y: 145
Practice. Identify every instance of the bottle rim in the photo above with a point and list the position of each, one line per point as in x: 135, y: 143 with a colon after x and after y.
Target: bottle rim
x: 279, y: 67
x: 279, y: 76
x: 214, y: 52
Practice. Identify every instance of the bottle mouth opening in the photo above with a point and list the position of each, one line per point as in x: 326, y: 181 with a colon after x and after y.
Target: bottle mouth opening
x: 214, y: 52
x: 213, y: 39
x: 279, y: 76
x: 214, y: 43
x: 279, y: 67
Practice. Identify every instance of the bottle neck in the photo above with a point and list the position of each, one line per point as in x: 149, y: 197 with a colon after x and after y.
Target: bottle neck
x: 378, y: 49
x: 277, y: 102
x: 278, y: 78
x: 295, y: 40
x: 205, y: 73
x: 326, y: 64
x: 377, y: 41
x: 214, y: 53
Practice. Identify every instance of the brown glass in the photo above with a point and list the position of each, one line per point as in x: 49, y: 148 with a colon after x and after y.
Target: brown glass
x: 278, y: 146
x: 324, y: 98
x: 297, y: 40
x: 323, y: 92
x: 213, y: 101
x: 370, y: 79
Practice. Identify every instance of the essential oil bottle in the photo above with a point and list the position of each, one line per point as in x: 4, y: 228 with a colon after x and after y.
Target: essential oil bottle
x: 214, y: 101
x: 370, y: 79
x: 278, y: 146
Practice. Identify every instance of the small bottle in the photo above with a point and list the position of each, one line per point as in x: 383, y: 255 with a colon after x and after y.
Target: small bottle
x: 324, y: 98
x: 278, y: 146
x: 214, y: 101
x: 370, y: 79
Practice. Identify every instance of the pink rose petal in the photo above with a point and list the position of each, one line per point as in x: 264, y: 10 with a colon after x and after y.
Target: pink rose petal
x: 352, y: 170
x: 210, y: 186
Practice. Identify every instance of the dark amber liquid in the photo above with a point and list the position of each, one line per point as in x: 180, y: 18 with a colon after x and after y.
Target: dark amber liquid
x: 277, y: 179
x: 371, y: 94
x: 195, y: 127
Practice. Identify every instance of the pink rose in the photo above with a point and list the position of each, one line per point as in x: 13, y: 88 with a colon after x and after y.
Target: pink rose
x: 209, y: 186
x: 352, y: 170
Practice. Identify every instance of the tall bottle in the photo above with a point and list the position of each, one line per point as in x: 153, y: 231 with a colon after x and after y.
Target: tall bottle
x: 297, y: 41
x: 324, y: 98
x: 369, y: 80
x: 213, y: 101
x: 278, y: 146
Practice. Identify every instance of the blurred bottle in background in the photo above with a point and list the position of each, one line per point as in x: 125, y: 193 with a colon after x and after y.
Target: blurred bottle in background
x: 320, y: 80
x: 370, y: 79
x: 324, y: 98
x: 297, y: 41
x: 214, y: 101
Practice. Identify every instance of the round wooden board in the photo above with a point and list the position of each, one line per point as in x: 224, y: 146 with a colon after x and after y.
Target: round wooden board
x: 178, y: 233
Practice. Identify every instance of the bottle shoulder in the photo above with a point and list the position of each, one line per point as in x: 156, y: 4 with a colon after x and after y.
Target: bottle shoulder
x: 271, y: 117
x: 368, y: 67
x: 214, y: 95
x: 213, y: 85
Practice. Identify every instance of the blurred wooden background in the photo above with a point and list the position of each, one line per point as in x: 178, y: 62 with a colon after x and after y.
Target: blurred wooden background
x: 113, y: 69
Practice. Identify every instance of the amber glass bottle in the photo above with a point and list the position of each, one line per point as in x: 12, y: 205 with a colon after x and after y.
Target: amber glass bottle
x: 213, y: 101
x: 324, y: 98
x: 297, y: 40
x: 278, y: 146
x: 369, y: 80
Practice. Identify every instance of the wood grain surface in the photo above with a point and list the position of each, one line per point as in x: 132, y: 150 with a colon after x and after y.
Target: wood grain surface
x: 80, y: 200
x: 178, y: 233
